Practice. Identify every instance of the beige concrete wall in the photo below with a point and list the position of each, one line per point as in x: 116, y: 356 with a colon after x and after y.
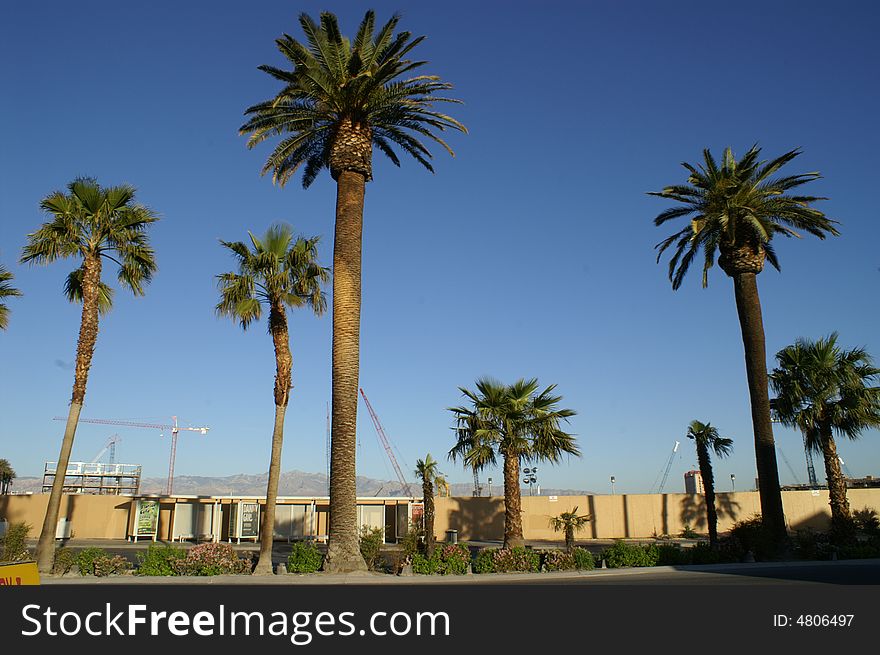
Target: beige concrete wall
x: 634, y: 515
x: 90, y: 517
x: 617, y: 516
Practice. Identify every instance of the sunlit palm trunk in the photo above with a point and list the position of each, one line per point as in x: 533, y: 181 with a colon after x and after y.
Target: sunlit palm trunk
x: 709, y: 486
x: 283, y: 368
x: 840, y: 513
x: 85, y: 349
x: 428, y: 493
x: 748, y: 306
x: 343, y: 549
x: 513, y: 533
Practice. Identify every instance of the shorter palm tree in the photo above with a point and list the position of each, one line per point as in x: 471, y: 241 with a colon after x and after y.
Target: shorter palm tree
x: 822, y: 390
x: 279, y: 272
x: 6, y: 291
x: 707, y: 438
x: 517, y: 422
x: 569, y: 523
x: 427, y: 471
x: 7, y: 475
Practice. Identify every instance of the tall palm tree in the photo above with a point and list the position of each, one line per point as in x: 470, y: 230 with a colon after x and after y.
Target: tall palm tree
x: 735, y: 210
x: 427, y: 470
x: 707, y: 438
x: 519, y: 424
x: 340, y: 99
x: 822, y: 390
x: 569, y: 523
x: 6, y: 291
x: 276, y: 272
x: 7, y: 475
x: 91, y: 223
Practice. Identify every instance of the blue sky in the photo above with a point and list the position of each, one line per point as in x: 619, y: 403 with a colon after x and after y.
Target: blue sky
x: 530, y: 254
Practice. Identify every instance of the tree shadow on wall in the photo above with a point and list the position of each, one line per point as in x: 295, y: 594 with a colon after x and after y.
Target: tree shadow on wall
x: 693, y: 509
x: 478, y: 518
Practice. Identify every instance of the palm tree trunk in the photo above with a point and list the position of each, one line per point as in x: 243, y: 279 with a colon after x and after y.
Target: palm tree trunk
x: 748, y: 306
x: 283, y: 368
x: 428, y: 492
x: 709, y: 486
x: 85, y: 349
x: 513, y: 532
x: 841, y: 519
x: 343, y: 548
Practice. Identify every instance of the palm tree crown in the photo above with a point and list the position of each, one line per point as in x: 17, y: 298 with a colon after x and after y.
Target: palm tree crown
x: 6, y: 291
x: 427, y: 469
x: 821, y: 388
x: 737, y: 208
x: 341, y: 98
x: 277, y: 271
x: 96, y: 222
x: 706, y: 436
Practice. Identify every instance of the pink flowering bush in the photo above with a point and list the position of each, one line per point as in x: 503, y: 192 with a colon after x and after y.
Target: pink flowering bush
x: 211, y: 559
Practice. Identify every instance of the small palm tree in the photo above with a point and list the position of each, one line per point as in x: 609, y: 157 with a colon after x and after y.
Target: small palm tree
x: 735, y: 210
x: 707, y: 438
x: 7, y: 475
x: 91, y: 223
x: 341, y: 99
x: 569, y: 523
x: 518, y: 423
x: 276, y: 273
x: 427, y: 471
x: 6, y: 291
x: 822, y: 390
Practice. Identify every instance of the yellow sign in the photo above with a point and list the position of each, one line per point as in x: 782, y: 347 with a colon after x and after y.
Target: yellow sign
x: 19, y: 573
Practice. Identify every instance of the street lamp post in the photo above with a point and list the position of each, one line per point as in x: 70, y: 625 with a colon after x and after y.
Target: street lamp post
x: 530, y: 477
x: 732, y: 482
x: 489, y: 481
x: 612, y: 484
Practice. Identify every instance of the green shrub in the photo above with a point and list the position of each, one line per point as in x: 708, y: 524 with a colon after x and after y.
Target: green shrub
x: 623, y: 554
x: 413, y: 541
x: 557, y: 560
x: 85, y: 559
x: 211, y: 559
x: 867, y: 550
x: 748, y: 536
x: 673, y: 555
x: 515, y: 560
x: 426, y: 566
x: 866, y: 521
x: 371, y: 546
x: 64, y: 561
x: 448, y: 559
x: 484, y: 562
x: 304, y: 558
x: 110, y: 565
x: 159, y: 560
x: 688, y: 533
x: 703, y: 553
x: 583, y: 559
x: 13, y: 545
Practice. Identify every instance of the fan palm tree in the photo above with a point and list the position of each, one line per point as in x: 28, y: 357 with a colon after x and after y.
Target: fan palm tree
x: 822, y: 390
x: 707, y: 438
x: 275, y: 273
x: 735, y: 210
x: 519, y: 424
x: 569, y: 523
x: 427, y: 471
x: 91, y: 223
x: 6, y: 291
x: 7, y: 475
x: 341, y: 99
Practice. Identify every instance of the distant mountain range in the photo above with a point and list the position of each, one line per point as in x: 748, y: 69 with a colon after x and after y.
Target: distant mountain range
x: 292, y: 483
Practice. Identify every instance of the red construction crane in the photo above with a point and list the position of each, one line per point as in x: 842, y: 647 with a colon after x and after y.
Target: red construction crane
x: 403, y: 482
x: 175, y: 429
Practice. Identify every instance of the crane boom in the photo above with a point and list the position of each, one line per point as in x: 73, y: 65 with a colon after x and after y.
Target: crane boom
x: 663, y: 475
x: 175, y: 429
x: 403, y: 483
